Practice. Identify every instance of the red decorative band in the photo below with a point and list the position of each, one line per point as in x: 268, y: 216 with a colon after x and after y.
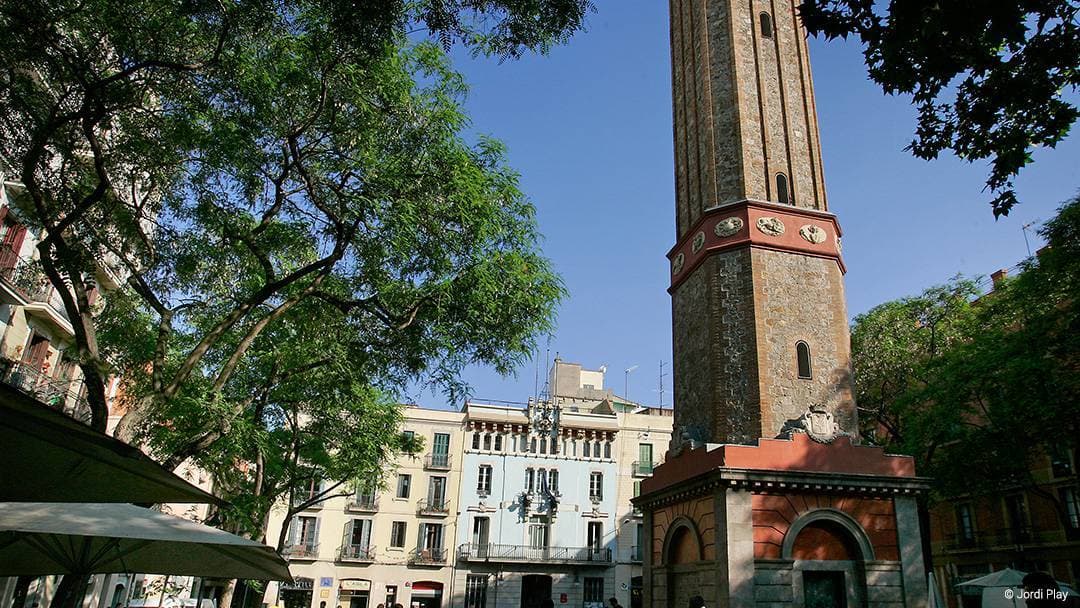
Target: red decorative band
x: 756, y: 224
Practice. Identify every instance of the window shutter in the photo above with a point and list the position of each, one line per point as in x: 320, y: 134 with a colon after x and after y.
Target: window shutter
x: 346, y: 539
x: 291, y: 537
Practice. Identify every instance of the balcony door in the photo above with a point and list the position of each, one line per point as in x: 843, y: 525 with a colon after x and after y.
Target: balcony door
x: 440, y: 450
x: 480, y: 540
x: 432, y: 537
x: 535, y: 589
x: 437, y: 492
x: 359, y: 533
x: 645, y: 461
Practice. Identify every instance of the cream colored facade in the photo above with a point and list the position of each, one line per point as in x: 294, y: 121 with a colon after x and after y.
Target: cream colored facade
x: 353, y: 561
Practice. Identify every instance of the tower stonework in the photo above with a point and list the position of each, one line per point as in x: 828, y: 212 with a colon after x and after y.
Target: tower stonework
x: 765, y: 498
x: 757, y: 266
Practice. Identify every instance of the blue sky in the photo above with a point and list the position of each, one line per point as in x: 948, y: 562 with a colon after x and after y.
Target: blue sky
x: 588, y: 126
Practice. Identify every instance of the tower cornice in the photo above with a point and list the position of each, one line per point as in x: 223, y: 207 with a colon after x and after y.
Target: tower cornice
x: 757, y: 224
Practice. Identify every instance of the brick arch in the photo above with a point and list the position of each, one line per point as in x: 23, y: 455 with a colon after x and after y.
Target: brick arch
x: 682, y: 544
x: 839, y: 520
x: 698, y: 510
x: 774, y: 514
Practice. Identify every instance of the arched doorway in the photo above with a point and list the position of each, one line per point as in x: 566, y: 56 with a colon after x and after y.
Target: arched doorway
x: 682, y: 557
x: 829, y: 550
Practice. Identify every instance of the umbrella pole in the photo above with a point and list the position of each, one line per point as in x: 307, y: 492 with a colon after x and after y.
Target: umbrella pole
x: 70, y: 591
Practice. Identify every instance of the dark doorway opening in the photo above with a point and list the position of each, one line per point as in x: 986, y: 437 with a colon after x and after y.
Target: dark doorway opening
x: 824, y: 589
x: 636, y: 587
x: 535, y: 588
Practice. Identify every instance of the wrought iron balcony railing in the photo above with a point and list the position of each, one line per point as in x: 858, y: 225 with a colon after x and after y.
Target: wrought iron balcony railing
x: 526, y: 553
x: 363, y: 504
x: 437, y: 462
x: 436, y: 508
x: 301, y: 551
x: 428, y: 557
x: 1003, y: 538
x: 356, y: 553
x: 643, y: 468
x: 66, y: 396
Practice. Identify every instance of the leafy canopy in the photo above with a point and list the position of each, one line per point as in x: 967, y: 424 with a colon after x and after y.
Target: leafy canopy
x: 990, y: 80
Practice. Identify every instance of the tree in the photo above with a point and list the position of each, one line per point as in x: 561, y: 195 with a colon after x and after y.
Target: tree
x: 978, y: 389
x: 990, y: 79
x: 135, y: 124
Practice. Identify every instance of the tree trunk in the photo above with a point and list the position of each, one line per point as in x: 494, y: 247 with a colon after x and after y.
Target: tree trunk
x: 227, y: 594
x: 70, y: 591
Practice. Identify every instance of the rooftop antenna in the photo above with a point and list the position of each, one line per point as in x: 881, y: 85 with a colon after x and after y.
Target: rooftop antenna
x: 626, y: 381
x: 662, y: 374
x: 1024, y: 229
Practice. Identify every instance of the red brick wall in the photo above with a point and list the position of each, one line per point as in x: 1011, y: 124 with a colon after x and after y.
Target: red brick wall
x: 774, y: 514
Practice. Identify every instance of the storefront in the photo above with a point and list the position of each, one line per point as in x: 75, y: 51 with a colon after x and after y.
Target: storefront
x: 426, y: 594
x: 354, y: 593
x: 298, y: 593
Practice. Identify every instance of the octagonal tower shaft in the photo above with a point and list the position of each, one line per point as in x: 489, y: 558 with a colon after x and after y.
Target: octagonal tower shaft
x: 760, y: 326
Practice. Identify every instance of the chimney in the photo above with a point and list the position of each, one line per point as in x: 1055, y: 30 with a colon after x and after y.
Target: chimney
x: 998, y: 276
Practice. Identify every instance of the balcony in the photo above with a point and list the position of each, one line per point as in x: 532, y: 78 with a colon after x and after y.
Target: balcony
x: 356, y: 554
x: 433, y: 508
x: 636, y: 555
x: 428, y: 557
x: 62, y: 395
x: 437, y: 462
x: 528, y: 554
x: 27, y: 278
x: 643, y: 468
x: 363, y: 504
x: 301, y: 551
x: 1004, y: 538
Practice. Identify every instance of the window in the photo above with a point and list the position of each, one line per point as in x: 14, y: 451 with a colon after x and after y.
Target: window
x: 404, y: 480
x: 965, y: 524
x: 530, y: 480
x: 637, y: 488
x: 483, y: 480
x: 782, y: 195
x: 480, y: 528
x: 409, y: 436
x: 437, y: 492
x: 596, y: 486
x: 304, y: 531
x: 543, y: 445
x: 487, y: 441
x: 432, y: 535
x: 585, y: 449
x: 645, y: 461
x: 1060, y: 462
x: 391, y: 595
x: 766, y: 25
x: 594, y: 589
x: 476, y: 441
x: 607, y: 450
x: 554, y: 446
x: 553, y: 481
x: 440, y: 450
x: 498, y: 442
x: 541, y: 480
x: 538, y: 531
x: 359, y: 533
x: 802, y: 356
x: 1016, y: 511
x: 397, y: 534
x: 475, y: 591
x: 596, y: 535
x: 532, y: 445
x: 1072, y: 507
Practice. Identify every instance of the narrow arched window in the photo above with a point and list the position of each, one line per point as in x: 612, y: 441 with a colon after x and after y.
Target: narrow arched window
x: 782, y: 195
x: 802, y: 355
x: 766, y: 25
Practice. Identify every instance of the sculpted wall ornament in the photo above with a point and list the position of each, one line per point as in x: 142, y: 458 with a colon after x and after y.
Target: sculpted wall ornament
x: 813, y: 234
x: 817, y: 422
x: 699, y: 241
x: 676, y: 266
x: 839, y: 249
x: 770, y: 226
x: 728, y: 226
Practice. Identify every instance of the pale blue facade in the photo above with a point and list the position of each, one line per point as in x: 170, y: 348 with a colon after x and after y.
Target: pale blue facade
x: 537, y: 521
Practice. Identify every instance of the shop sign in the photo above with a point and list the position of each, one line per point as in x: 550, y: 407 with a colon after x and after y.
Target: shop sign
x: 353, y: 584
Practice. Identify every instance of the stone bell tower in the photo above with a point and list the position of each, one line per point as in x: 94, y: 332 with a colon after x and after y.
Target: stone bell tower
x: 766, y: 498
x: 760, y: 326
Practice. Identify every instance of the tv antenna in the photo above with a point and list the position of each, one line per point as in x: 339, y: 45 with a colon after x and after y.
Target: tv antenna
x: 1024, y: 229
x: 626, y: 381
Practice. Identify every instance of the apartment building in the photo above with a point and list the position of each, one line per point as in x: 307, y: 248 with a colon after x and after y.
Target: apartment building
x: 381, y: 545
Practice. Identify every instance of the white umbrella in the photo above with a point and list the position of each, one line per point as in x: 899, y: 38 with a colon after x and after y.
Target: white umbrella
x: 1000, y: 589
x: 94, y: 538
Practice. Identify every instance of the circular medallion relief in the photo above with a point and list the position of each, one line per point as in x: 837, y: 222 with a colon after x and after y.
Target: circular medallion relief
x: 839, y: 249
x: 770, y: 226
x: 677, y: 264
x: 729, y: 226
x: 813, y: 234
x: 699, y: 242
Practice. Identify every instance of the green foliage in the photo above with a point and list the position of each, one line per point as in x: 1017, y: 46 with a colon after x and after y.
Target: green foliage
x: 979, y: 390
x: 296, y: 221
x: 989, y: 79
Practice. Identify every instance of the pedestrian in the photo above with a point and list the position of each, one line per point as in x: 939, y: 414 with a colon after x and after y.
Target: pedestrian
x: 614, y: 602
